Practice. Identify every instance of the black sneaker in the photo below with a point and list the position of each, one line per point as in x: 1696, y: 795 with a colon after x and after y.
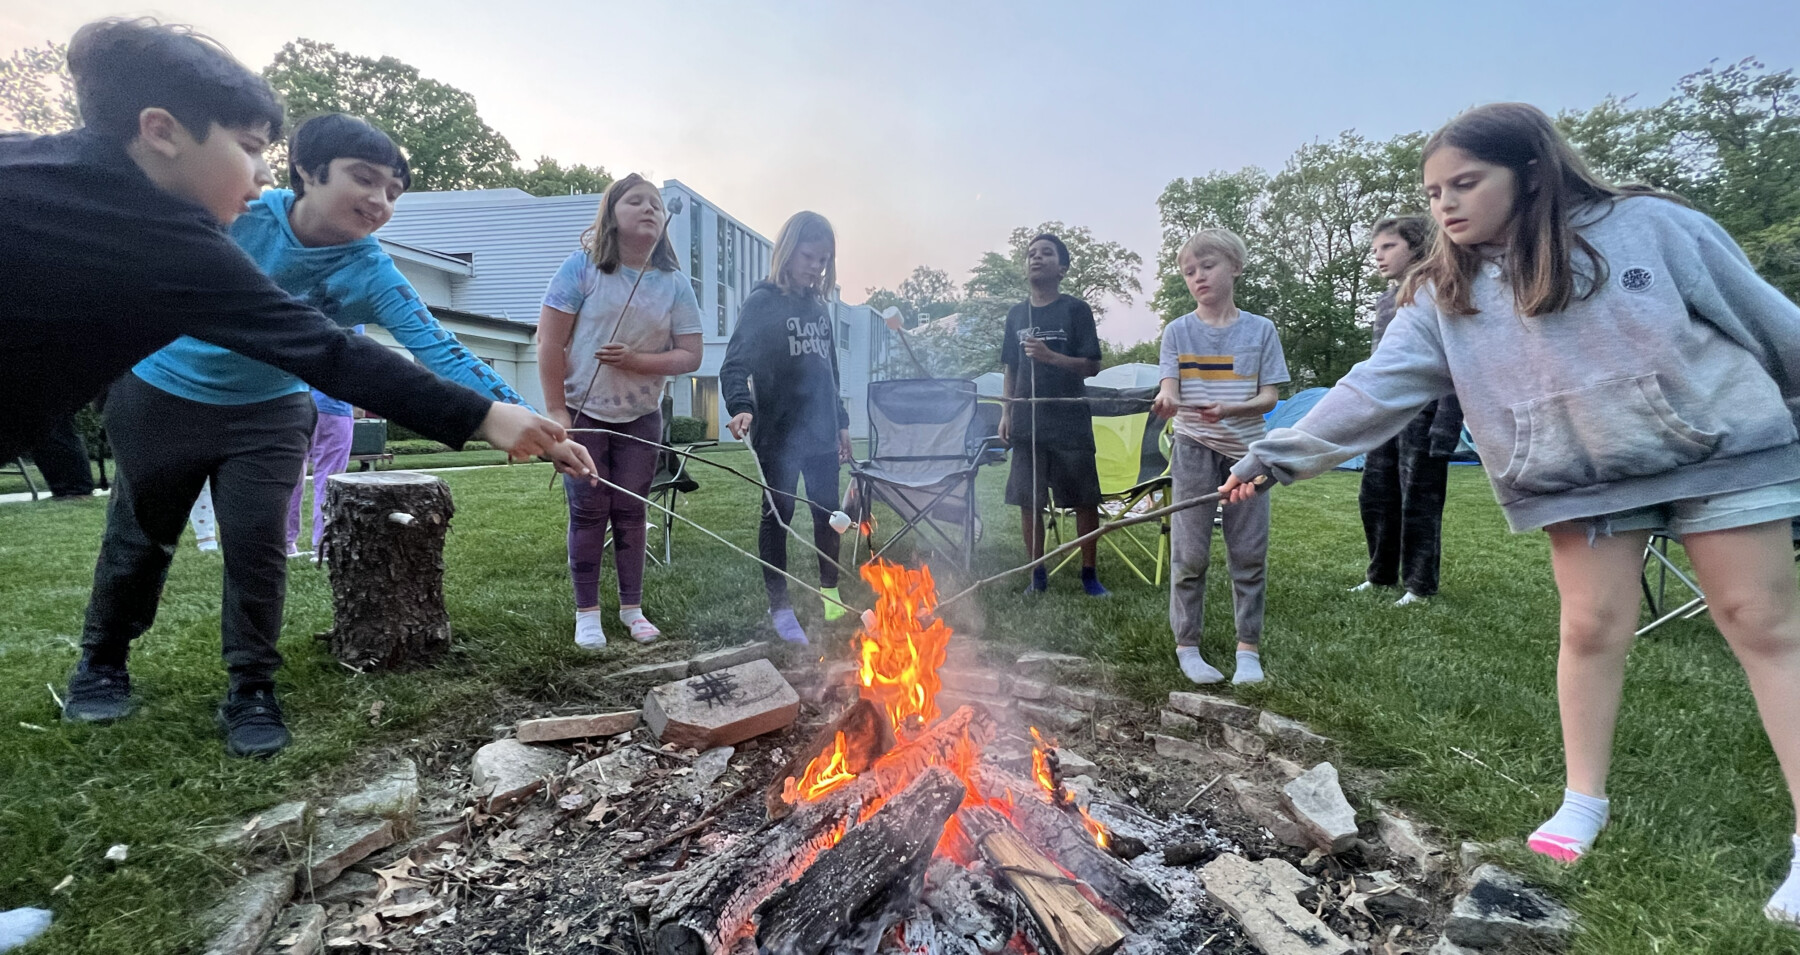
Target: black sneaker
x: 98, y: 694
x: 251, y: 721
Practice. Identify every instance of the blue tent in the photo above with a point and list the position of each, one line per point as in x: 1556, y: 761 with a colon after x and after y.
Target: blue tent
x: 1290, y: 410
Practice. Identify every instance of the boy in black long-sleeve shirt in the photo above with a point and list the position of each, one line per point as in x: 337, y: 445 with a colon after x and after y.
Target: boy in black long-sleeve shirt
x: 112, y: 245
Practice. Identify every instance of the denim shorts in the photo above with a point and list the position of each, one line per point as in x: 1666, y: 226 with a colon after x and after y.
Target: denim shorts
x: 1697, y: 515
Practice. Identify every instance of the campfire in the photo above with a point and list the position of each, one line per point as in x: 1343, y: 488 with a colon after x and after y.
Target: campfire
x: 890, y: 790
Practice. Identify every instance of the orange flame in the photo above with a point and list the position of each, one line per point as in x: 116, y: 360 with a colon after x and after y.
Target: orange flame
x: 1102, y: 838
x: 827, y: 771
x: 1040, y: 763
x: 900, y: 653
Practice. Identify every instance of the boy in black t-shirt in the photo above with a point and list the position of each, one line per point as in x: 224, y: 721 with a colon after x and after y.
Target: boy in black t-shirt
x: 1050, y: 349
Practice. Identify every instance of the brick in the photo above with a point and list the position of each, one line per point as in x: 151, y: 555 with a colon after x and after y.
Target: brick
x: 722, y: 708
x: 552, y: 728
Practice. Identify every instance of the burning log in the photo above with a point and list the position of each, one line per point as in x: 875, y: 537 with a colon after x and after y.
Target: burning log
x: 1058, y: 833
x: 867, y: 880
x: 865, y: 736
x: 1063, y: 920
x: 710, y: 907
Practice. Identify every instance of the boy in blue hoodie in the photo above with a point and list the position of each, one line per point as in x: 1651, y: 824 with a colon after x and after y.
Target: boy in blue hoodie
x: 195, y: 411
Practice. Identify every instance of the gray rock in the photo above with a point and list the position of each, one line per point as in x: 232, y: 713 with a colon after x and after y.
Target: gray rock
x: 1185, y: 750
x: 1052, y: 716
x: 1287, y: 769
x: 1085, y: 699
x: 1269, y: 915
x: 949, y: 701
x: 1179, y: 721
x: 1499, y: 911
x: 652, y: 673
x: 728, y: 657
x: 705, y: 771
x: 351, y: 888
x: 1074, y: 764
x: 1030, y: 689
x: 1317, y: 802
x: 337, y: 847
x: 553, y: 728
x: 1040, y: 664
x: 299, y: 931
x: 244, y: 917
x: 1282, y: 875
x: 1290, y: 732
x: 1446, y: 947
x: 616, y: 772
x: 506, y: 771
x: 1244, y: 741
x: 977, y: 682
x: 1264, y: 809
x: 722, y: 708
x: 393, y: 796
x: 1215, y: 709
x: 1386, y: 897
x: 1402, y: 838
x: 282, y: 826
x: 1469, y: 856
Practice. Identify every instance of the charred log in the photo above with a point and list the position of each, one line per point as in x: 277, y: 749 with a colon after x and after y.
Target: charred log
x: 867, y: 736
x: 1063, y: 920
x: 384, y: 549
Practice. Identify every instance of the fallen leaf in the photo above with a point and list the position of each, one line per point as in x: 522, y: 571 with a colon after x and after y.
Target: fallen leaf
x: 253, y: 823
x: 395, y: 913
x: 571, y: 801
x: 287, y: 940
x: 375, y: 713
x: 599, y: 811
x: 560, y: 927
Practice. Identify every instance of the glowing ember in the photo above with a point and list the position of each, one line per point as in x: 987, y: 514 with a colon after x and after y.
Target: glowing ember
x: 828, y: 771
x: 1101, y: 837
x: 900, y: 654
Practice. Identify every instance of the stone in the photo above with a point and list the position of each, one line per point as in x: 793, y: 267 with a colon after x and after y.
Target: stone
x: 1244, y: 741
x: 1174, y: 720
x: 338, y: 846
x: 949, y: 700
x: 1384, y: 896
x: 278, y: 826
x: 1182, y: 749
x: 1271, y: 916
x: 1290, y: 732
x: 299, y: 931
x: 1287, y: 769
x: 1039, y: 664
x: 616, y: 772
x: 1074, y: 764
x: 1264, y: 809
x: 1282, y: 875
x: 652, y: 673
x: 1218, y: 710
x: 244, y: 917
x: 1030, y: 689
x: 1402, y: 838
x: 1115, y: 729
x: 393, y: 796
x: 506, y: 771
x: 1317, y: 802
x: 1446, y: 947
x: 351, y: 888
x: 1499, y: 911
x: 1083, y: 698
x: 722, y: 708
x: 705, y: 771
x: 1189, y: 853
x: 727, y: 657
x: 983, y: 682
x: 418, y: 848
x: 1051, y: 716
x: 553, y: 728
x: 1468, y: 856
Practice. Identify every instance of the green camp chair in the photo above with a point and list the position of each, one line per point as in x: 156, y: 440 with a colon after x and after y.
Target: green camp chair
x: 1131, y: 454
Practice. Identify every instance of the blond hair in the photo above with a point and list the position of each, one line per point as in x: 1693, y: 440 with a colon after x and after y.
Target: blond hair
x: 1221, y: 242
x: 801, y: 228
x: 601, y: 240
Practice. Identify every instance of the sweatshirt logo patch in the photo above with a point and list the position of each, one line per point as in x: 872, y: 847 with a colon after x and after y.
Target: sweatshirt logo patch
x: 1637, y: 280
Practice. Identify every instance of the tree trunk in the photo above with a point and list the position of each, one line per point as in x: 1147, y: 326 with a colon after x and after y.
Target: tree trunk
x: 384, y: 549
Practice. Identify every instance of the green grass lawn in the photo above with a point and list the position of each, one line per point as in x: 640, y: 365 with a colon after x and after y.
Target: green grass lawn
x: 1700, y: 813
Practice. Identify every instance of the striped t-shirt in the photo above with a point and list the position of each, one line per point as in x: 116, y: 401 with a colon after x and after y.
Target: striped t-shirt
x: 1227, y: 364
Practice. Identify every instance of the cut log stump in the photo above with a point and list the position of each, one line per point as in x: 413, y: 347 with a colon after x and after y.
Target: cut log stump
x: 384, y: 549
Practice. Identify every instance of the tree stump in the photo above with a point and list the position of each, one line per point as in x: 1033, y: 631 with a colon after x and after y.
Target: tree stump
x: 384, y: 549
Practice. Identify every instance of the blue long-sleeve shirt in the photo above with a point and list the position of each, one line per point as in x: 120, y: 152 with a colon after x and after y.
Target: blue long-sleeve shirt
x: 353, y: 284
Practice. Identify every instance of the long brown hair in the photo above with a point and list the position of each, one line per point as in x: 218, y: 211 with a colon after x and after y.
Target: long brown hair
x: 803, y: 227
x: 1552, y: 183
x: 601, y: 240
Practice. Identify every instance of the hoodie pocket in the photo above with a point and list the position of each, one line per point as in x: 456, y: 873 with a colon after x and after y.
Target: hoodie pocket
x: 1611, y: 431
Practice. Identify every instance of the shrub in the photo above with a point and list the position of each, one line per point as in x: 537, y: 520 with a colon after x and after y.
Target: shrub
x: 685, y: 430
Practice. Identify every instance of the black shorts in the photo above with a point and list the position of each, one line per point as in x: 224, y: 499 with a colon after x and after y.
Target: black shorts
x: 1068, y: 473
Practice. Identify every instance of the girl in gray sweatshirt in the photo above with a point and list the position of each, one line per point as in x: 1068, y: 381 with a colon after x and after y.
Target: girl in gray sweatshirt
x: 1623, y: 370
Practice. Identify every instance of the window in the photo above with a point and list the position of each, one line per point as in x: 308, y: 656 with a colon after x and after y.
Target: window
x: 719, y: 235
x: 723, y: 329
x: 731, y: 256
x: 699, y: 293
x: 695, y: 247
x: 843, y: 335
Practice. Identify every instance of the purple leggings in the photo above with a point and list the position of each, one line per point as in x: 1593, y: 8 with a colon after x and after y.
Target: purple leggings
x: 629, y: 464
x: 329, y: 454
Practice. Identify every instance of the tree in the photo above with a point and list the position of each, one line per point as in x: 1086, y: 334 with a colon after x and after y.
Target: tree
x: 1148, y: 352
x: 1219, y: 200
x: 448, y: 145
x: 551, y: 178
x: 37, y: 94
x: 1098, y: 270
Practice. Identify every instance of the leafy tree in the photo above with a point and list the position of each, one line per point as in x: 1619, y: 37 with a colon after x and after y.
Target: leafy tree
x: 37, y: 94
x: 1149, y: 352
x: 551, y: 178
x: 447, y: 143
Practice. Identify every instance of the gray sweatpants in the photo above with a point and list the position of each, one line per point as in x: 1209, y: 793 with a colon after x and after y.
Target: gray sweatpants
x: 1197, y: 470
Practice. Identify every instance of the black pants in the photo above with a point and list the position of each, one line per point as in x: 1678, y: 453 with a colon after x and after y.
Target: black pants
x: 1402, y: 502
x: 63, y: 458
x: 783, y: 472
x: 166, y: 448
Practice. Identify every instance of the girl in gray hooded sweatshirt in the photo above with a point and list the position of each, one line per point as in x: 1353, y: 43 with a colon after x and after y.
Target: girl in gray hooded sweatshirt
x: 1623, y: 370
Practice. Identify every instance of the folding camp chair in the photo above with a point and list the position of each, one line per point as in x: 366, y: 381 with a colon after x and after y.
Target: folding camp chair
x: 1134, y: 475
x: 1656, y: 559
x: 921, y: 463
x: 18, y: 464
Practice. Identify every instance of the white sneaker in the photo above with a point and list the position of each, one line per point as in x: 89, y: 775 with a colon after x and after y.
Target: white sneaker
x: 589, y: 634
x: 207, y: 544
x: 1195, y: 668
x: 1364, y: 586
x: 1410, y: 598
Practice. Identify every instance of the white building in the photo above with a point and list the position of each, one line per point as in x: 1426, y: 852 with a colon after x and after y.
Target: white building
x: 482, y: 258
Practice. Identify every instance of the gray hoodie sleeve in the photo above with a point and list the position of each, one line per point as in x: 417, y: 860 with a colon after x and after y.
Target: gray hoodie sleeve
x: 1721, y: 286
x: 1366, y: 407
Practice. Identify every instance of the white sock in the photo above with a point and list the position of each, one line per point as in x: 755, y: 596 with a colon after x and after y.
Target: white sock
x: 1249, y: 667
x: 1572, y: 831
x: 631, y: 615
x: 1784, y: 905
x: 588, y: 634
x: 1195, y: 667
x: 1409, y: 598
